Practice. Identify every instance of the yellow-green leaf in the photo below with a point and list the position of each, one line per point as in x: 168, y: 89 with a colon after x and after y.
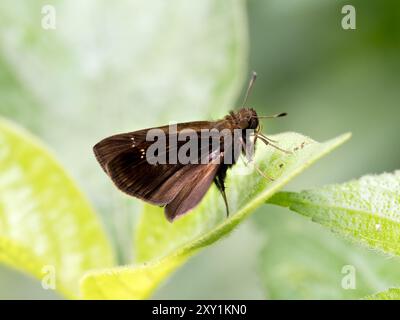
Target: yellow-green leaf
x: 47, y: 227
x: 390, y: 294
x: 162, y: 246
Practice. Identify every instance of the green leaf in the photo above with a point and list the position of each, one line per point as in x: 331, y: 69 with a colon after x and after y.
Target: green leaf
x: 390, y: 294
x: 365, y: 210
x: 164, y: 246
x: 45, y: 221
x: 301, y: 260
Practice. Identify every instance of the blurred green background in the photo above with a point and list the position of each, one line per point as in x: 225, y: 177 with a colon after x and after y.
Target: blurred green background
x: 130, y: 76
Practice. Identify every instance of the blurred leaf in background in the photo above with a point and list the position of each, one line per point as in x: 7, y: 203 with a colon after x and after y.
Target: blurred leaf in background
x: 47, y: 227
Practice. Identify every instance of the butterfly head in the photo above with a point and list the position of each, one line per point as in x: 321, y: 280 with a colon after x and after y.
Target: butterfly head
x: 247, y: 118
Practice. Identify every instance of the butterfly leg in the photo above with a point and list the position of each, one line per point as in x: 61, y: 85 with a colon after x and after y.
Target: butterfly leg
x: 258, y: 132
x: 251, y: 161
x: 219, y: 182
x: 268, y: 141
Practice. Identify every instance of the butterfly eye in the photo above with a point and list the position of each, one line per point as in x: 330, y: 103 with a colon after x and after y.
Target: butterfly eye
x: 243, y: 124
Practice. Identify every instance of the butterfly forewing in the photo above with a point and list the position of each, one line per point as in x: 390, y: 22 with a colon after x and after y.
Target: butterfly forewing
x: 178, y: 186
x: 108, y: 148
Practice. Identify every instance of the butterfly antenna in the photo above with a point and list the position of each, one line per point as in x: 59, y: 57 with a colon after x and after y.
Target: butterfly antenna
x: 248, y: 91
x: 278, y: 115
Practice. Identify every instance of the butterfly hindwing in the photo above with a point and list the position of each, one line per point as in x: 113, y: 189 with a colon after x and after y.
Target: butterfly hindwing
x: 157, y: 184
x: 192, y: 193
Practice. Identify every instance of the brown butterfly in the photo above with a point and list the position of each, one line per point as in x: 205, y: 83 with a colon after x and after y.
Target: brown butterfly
x: 178, y: 186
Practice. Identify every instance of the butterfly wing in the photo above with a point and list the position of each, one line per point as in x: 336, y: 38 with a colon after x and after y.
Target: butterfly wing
x: 157, y: 184
x: 192, y: 193
x: 122, y: 158
x: 111, y: 147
